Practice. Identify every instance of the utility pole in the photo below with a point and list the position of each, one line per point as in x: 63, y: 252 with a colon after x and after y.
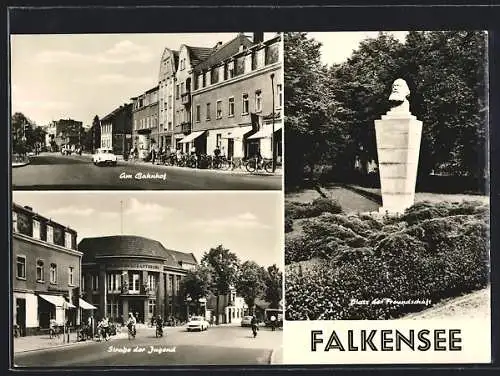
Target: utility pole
x: 273, y: 151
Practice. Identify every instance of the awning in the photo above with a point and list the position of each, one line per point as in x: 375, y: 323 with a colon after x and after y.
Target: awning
x: 266, y: 130
x: 85, y: 305
x: 57, y: 300
x: 190, y: 137
x: 237, y: 132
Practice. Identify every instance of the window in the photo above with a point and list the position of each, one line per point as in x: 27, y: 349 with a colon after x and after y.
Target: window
x: 245, y: 104
x: 198, y: 113
x: 177, y: 284
x: 169, y: 125
x: 240, y: 66
x: 177, y: 91
x: 214, y: 75
x: 169, y: 101
x: 279, y: 88
x: 134, y: 283
x: 230, y: 69
x: 208, y: 111
x: 218, y: 109
x: 151, y: 282
x: 71, y: 279
x: 53, y: 273
x: 36, y: 229
x: 67, y: 240
x: 39, y: 271
x: 272, y: 53
x: 114, y: 282
x: 182, y: 87
x: 21, y: 267
x: 196, y: 81
x: 204, y: 80
x: 95, y: 282
x: 258, y: 101
x: 231, y: 106
x: 151, y: 306
x: 82, y: 284
x: 218, y: 138
x: 254, y: 60
x: 14, y: 221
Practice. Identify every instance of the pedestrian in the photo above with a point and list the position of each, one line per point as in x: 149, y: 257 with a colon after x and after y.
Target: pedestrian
x: 255, y: 327
x: 153, y: 155
x: 273, y: 323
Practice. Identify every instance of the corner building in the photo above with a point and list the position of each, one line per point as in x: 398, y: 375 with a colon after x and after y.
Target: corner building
x: 145, y: 121
x: 122, y: 274
x: 46, y: 272
x: 232, y: 99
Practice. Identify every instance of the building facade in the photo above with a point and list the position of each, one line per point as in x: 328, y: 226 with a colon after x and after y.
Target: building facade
x: 166, y: 93
x: 232, y: 308
x: 116, y: 130
x: 145, y: 121
x: 64, y: 132
x: 234, y: 91
x: 123, y: 274
x: 188, y: 58
x: 46, y: 276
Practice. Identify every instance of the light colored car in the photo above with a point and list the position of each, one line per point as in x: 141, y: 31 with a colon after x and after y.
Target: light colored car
x: 104, y: 156
x: 246, y: 321
x: 197, y: 323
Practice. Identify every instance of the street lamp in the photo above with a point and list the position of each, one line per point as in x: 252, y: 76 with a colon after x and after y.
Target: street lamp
x: 272, y: 134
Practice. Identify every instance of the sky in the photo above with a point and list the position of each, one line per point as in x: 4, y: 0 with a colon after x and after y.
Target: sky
x: 338, y: 46
x: 250, y: 224
x: 79, y: 76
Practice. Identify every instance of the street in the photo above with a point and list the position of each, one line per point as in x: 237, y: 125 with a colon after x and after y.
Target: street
x: 53, y: 171
x: 222, y: 345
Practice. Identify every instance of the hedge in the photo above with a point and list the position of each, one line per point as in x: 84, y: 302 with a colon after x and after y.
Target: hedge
x: 433, y: 251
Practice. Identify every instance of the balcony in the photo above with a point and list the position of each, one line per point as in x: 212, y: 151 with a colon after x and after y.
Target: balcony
x: 186, y: 127
x: 186, y: 98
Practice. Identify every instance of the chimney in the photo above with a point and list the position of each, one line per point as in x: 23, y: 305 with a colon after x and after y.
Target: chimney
x: 217, y: 46
x: 258, y: 37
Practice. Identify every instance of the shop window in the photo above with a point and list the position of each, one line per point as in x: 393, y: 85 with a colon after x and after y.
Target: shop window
x: 258, y: 101
x: 245, y: 104
x: 21, y: 267
x: 40, y: 271
x: 53, y: 273
x: 36, y: 229
x: 231, y: 106
x: 218, y: 109
x: 71, y: 271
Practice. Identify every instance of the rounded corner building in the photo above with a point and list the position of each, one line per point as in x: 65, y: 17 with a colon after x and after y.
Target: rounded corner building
x: 124, y: 273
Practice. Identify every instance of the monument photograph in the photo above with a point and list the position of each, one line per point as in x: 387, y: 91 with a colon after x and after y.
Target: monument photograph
x: 387, y: 176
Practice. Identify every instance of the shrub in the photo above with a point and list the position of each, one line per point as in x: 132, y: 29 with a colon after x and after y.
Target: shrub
x: 288, y: 225
x: 433, y: 252
x: 326, y: 205
x: 297, y: 249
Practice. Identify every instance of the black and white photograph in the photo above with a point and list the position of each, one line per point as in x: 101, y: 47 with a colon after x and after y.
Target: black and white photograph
x: 387, y: 177
x: 198, y: 111
x: 147, y: 278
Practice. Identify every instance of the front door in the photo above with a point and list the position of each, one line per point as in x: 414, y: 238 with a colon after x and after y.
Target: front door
x: 21, y: 316
x: 136, y: 306
x: 230, y: 148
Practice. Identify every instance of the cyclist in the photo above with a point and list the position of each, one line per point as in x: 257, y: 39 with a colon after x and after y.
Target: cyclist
x: 255, y: 328
x: 131, y: 323
x: 105, y: 328
x: 159, y: 326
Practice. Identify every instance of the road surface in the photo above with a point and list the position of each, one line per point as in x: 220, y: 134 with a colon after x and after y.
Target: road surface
x: 224, y: 345
x: 53, y: 171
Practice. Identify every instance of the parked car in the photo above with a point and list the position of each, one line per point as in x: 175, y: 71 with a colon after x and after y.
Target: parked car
x: 197, y: 323
x: 104, y: 156
x: 66, y: 150
x: 246, y: 321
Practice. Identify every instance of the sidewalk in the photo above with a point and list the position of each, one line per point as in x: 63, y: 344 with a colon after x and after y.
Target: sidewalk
x: 34, y: 343
x: 277, y: 356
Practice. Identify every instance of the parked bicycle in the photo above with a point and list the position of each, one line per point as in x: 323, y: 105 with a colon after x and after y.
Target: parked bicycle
x: 254, y: 164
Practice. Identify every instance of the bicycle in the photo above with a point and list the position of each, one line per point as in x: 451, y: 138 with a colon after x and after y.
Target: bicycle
x: 131, y: 331
x: 255, y: 165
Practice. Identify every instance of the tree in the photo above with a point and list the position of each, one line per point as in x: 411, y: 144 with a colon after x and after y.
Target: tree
x: 250, y: 283
x: 273, y: 286
x: 96, y: 133
x: 223, y: 266
x: 22, y: 133
x: 196, y: 283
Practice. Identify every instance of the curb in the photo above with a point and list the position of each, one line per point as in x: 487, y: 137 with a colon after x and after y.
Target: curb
x: 71, y: 344
x: 272, y: 357
x: 17, y: 165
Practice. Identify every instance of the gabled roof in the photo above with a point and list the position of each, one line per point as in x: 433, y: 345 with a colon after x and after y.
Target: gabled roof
x: 198, y: 54
x: 187, y: 258
x: 224, y: 52
x: 116, y: 111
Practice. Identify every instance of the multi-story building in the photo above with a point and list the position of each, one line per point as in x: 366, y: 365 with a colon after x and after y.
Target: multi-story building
x: 64, y: 132
x: 116, y: 130
x: 234, y: 90
x: 166, y: 92
x: 145, y: 121
x: 123, y: 274
x: 188, y: 58
x: 46, y: 277
x: 232, y: 308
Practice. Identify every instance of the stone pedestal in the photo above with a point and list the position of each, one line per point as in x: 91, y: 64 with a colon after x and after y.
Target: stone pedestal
x: 398, y: 136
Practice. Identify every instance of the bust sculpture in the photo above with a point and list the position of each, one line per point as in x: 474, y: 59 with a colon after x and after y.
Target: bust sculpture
x: 399, y: 96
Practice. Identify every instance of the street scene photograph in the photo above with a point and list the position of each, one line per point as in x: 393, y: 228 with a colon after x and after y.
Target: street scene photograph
x: 387, y: 176
x: 146, y: 278
x: 147, y: 111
